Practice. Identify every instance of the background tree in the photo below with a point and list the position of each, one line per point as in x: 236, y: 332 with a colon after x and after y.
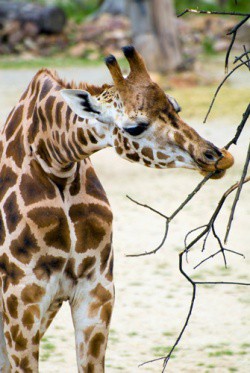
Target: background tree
x: 154, y: 30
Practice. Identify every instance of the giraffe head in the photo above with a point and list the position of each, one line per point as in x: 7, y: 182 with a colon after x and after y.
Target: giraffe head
x: 143, y: 122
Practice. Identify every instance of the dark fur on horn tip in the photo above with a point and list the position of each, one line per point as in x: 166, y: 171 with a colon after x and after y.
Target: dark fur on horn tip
x: 110, y: 60
x: 128, y: 50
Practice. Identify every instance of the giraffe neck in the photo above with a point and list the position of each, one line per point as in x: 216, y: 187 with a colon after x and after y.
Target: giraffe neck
x: 56, y: 136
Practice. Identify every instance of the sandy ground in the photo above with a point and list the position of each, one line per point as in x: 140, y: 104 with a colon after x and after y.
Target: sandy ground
x: 152, y: 298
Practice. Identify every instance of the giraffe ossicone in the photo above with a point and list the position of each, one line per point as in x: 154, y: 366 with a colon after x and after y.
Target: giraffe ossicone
x: 55, y: 219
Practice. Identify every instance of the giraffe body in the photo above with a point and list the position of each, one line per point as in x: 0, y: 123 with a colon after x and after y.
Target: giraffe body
x: 55, y: 219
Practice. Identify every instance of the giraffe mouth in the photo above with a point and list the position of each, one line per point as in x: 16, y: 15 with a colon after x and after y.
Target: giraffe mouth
x: 218, y: 174
x: 219, y: 166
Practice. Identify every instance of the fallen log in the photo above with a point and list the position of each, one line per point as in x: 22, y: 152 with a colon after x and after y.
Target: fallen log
x: 48, y: 19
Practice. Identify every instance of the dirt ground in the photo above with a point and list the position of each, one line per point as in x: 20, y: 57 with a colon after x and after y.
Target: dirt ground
x: 152, y: 298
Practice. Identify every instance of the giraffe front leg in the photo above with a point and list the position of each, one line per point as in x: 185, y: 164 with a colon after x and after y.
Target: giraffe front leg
x: 22, y: 345
x: 91, y: 314
x: 21, y: 326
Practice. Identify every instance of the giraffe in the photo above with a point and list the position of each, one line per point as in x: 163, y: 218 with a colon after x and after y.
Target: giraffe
x: 55, y: 218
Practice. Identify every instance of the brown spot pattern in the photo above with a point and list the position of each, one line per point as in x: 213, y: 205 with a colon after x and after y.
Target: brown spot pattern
x: 133, y: 157
x: 88, y: 224
x: 49, y: 108
x: 81, y: 137
x: 93, y: 186
x: 7, y: 180
x: 43, y: 152
x: 76, y: 184
x: 58, y: 118
x: 48, y: 264
x: 15, y: 149
x: 31, y: 107
x: 14, y: 122
x: 18, y: 338
x: 105, y: 254
x: 12, y: 304
x: 32, y: 293
x: 37, y: 186
x: 2, y: 230
x: 11, y: 273
x: 45, y: 89
x: 59, y: 235
x: 85, y: 267
x: 34, y: 127
x: 101, y: 296
x: 70, y: 270
x: 92, y: 137
x: 25, y: 246
x: 95, y: 344
x: 106, y: 313
x: 28, y: 319
x: 12, y: 214
x: 179, y: 139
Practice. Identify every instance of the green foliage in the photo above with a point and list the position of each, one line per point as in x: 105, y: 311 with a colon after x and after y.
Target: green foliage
x: 78, y: 9
x: 208, y: 45
x: 74, y: 9
x: 229, y: 6
x: 12, y: 62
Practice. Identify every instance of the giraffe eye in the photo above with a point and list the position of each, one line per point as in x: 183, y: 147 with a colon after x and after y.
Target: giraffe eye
x: 137, y: 130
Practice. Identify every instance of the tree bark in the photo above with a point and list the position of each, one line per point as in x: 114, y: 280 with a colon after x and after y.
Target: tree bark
x: 155, y: 34
x: 50, y: 19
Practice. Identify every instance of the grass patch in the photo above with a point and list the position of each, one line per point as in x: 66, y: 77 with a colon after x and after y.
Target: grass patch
x: 16, y: 62
x: 168, y: 334
x: 245, y: 345
x: 47, y: 348
x: 160, y: 351
x: 132, y: 334
x: 221, y: 353
x: 196, y: 100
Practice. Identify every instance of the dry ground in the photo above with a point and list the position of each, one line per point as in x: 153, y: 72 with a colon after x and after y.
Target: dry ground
x: 152, y: 298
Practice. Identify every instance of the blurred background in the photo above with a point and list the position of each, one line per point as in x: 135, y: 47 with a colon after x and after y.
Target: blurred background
x: 186, y: 57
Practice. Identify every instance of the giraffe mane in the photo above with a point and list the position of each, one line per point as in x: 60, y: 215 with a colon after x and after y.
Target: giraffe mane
x: 92, y: 89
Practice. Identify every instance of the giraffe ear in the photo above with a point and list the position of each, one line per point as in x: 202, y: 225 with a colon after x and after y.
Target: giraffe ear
x: 83, y: 104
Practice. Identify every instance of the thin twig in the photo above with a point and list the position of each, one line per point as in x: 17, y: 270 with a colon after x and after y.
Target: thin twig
x: 238, y: 58
x: 221, y: 84
x: 157, y: 248
x: 240, y: 127
x: 213, y: 12
x: 172, y: 216
x: 237, y: 196
x: 147, y: 207
x: 233, y: 32
x: 246, y: 52
x: 216, y: 253
x: 191, y: 307
x: 213, y: 218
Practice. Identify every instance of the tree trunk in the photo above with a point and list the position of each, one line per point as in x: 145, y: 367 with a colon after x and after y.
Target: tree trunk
x: 155, y: 34
x: 50, y: 19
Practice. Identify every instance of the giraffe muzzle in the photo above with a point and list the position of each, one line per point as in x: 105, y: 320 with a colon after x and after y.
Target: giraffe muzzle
x: 224, y: 161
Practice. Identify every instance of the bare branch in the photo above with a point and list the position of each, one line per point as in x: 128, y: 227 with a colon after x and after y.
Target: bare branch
x: 212, y: 12
x: 210, y: 226
x: 221, y: 84
x: 158, y: 247
x: 233, y: 32
x: 240, y: 127
x: 147, y: 207
x: 191, y: 307
x: 237, y: 196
